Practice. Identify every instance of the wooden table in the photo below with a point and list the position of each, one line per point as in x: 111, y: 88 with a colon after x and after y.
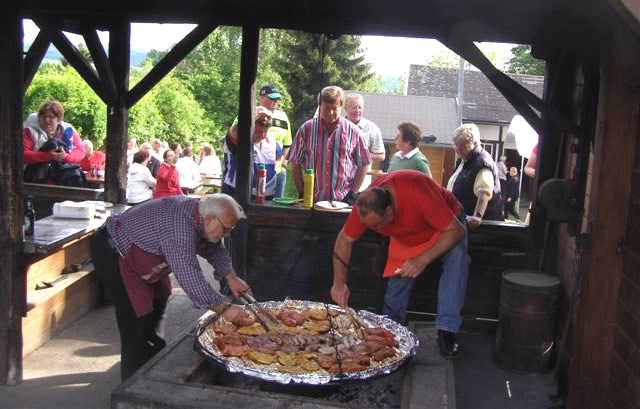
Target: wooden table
x: 94, y: 181
x: 59, y: 249
x: 190, y: 187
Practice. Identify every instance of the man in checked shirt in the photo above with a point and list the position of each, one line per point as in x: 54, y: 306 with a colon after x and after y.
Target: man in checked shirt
x: 135, y: 252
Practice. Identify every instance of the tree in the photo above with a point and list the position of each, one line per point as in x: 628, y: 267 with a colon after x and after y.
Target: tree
x: 522, y: 62
x: 311, y: 61
x: 83, y: 109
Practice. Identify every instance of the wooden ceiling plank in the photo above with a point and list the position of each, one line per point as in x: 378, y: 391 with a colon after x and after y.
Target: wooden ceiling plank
x: 77, y: 61
x: 101, y: 62
x: 169, y: 62
x: 34, y: 58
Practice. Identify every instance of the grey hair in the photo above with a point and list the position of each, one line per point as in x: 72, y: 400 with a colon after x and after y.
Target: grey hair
x: 88, y: 143
x: 217, y: 204
x: 353, y: 95
x: 468, y: 133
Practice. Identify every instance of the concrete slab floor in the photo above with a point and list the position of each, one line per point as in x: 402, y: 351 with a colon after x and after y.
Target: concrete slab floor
x: 80, y: 367
x: 482, y: 384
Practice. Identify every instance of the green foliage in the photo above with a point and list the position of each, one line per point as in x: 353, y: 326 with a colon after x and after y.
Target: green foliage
x: 522, y: 62
x: 310, y: 61
x: 83, y: 109
x: 212, y: 74
x: 198, y: 100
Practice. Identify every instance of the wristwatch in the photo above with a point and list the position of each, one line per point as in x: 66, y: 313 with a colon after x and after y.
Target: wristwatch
x: 478, y: 214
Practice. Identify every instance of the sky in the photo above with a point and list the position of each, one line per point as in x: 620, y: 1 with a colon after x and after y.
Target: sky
x: 389, y: 56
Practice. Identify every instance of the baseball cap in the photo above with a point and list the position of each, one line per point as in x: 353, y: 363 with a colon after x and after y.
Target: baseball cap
x: 270, y: 91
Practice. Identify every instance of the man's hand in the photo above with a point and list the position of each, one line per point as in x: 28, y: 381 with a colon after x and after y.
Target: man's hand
x: 237, y: 285
x: 508, y: 200
x: 340, y: 294
x: 412, y: 268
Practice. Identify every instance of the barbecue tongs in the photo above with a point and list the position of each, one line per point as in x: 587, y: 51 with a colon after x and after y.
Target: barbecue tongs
x: 258, y: 312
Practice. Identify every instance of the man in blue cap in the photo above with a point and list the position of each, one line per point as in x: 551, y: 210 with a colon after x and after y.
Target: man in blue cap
x: 280, y: 129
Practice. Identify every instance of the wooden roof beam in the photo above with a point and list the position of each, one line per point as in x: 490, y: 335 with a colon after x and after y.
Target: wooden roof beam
x: 77, y: 61
x: 34, y: 57
x: 101, y: 62
x: 520, y: 97
x: 169, y: 62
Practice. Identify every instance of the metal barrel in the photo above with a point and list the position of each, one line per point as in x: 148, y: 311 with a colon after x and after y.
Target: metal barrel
x: 528, y: 305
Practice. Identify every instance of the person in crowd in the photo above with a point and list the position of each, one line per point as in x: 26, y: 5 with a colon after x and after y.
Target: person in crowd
x: 188, y: 170
x: 157, y: 150
x: 51, y: 147
x: 152, y: 163
x: 334, y: 148
x: 532, y: 162
x: 137, y: 250
x: 210, y: 162
x: 475, y: 180
x: 95, y: 159
x: 354, y: 108
x: 502, y: 172
x: 202, y: 146
x: 167, y: 179
x: 512, y: 194
x: 266, y: 151
x: 408, y: 155
x: 132, y: 147
x: 280, y: 130
x: 424, y: 222
x: 140, y: 182
x: 176, y: 148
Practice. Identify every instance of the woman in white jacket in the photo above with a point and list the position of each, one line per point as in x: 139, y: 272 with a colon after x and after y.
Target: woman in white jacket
x: 140, y: 183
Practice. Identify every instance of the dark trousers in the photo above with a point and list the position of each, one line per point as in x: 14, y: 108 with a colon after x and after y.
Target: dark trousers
x: 510, y: 208
x: 140, y: 337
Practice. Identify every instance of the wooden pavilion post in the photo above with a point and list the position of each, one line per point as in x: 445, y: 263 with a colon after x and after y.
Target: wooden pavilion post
x: 246, y: 112
x: 12, y: 283
x: 118, y: 115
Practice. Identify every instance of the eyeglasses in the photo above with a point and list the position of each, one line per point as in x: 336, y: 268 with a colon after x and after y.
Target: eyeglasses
x: 225, y: 228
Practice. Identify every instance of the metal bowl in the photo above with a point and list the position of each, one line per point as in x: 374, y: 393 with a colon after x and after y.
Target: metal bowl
x: 408, y: 343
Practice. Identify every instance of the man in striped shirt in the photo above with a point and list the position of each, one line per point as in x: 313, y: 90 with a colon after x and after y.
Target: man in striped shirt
x: 137, y: 250
x: 334, y: 148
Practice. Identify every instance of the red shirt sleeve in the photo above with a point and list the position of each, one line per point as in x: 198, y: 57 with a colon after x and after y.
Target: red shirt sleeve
x: 32, y: 156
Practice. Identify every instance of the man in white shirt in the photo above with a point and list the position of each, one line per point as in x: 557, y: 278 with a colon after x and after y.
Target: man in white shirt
x: 157, y: 150
x: 370, y: 132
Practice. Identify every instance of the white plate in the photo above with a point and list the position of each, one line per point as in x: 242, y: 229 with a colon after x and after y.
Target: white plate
x: 336, y: 205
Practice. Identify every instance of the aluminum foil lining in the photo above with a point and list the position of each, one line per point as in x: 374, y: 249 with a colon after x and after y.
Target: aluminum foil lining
x: 406, y: 349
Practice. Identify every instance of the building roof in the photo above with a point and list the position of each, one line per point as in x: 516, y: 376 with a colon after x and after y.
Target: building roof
x: 483, y: 103
x: 436, y: 116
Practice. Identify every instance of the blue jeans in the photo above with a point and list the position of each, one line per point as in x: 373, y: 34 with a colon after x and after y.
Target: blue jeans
x: 281, y: 179
x: 451, y: 288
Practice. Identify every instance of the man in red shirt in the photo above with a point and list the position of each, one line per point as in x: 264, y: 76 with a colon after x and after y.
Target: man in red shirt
x: 424, y: 221
x: 91, y: 157
x: 167, y: 178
